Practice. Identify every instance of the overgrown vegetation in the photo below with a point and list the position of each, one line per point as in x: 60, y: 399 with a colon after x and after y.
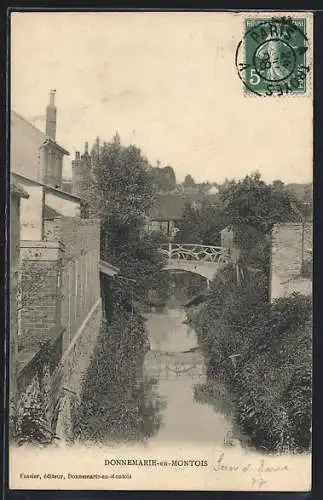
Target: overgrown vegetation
x: 260, y: 352
x: 32, y: 425
x: 118, y: 402
x: 201, y: 224
x: 29, y: 420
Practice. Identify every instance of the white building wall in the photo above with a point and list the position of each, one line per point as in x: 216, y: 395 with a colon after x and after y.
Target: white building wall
x: 65, y: 207
x: 25, y: 149
x: 31, y: 213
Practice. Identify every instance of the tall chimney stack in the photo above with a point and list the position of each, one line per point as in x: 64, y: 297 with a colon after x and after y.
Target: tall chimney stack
x: 51, y: 111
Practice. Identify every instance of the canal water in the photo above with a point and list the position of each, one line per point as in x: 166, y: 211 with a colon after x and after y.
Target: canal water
x: 177, y: 366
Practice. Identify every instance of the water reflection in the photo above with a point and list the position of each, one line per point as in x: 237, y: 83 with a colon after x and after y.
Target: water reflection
x: 159, y: 400
x: 178, y: 367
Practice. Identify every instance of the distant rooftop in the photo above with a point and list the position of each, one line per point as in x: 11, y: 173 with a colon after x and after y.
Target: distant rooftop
x: 171, y: 206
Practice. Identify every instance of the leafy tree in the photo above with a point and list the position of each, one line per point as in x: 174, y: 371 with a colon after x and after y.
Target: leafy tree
x: 201, y: 224
x: 121, y: 188
x: 164, y: 178
x: 120, y: 194
x: 252, y: 207
x: 189, y: 181
x: 251, y: 203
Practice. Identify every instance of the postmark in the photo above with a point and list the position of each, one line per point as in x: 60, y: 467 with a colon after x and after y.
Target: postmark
x: 271, y: 59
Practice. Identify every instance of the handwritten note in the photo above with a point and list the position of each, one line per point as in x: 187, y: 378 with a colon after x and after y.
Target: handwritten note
x: 258, y: 470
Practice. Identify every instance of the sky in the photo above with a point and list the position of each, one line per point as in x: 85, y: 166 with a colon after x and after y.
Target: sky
x: 166, y: 82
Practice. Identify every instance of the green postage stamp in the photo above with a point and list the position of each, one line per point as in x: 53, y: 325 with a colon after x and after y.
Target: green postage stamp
x: 271, y: 58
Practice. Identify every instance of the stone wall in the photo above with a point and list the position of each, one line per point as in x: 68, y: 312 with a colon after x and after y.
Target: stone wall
x: 74, y: 364
x: 51, y: 386
x: 291, y: 246
x: 32, y: 416
x: 80, y: 281
x: 67, y: 294
x: 40, y: 292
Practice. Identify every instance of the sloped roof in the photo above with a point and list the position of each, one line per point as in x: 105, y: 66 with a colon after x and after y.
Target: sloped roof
x: 17, y: 190
x: 57, y: 191
x: 42, y: 136
x: 168, y: 207
x: 171, y: 206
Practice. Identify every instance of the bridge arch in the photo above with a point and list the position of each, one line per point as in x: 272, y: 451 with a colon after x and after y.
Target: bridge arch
x: 204, y: 260
x: 201, y: 269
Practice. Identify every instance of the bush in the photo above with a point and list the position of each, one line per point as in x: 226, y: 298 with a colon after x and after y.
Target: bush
x: 270, y: 378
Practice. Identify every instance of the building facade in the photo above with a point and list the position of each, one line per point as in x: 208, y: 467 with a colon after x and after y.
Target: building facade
x: 59, y: 312
x: 168, y: 209
x: 36, y: 154
x: 17, y: 193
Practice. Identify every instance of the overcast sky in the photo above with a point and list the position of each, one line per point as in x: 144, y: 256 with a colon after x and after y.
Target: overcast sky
x: 166, y: 82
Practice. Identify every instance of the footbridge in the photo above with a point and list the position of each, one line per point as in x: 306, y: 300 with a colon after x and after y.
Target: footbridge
x: 205, y: 260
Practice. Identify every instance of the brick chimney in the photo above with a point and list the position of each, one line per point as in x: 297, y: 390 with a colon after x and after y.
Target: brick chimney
x: 51, y: 111
x: 81, y: 172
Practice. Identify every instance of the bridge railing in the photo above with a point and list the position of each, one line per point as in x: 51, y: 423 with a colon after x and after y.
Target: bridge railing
x: 188, y: 251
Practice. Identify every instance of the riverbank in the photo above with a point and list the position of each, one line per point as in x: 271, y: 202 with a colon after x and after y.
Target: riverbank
x: 193, y: 443
x: 262, y: 353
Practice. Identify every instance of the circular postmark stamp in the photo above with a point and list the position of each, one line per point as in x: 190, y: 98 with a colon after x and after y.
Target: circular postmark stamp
x: 271, y: 58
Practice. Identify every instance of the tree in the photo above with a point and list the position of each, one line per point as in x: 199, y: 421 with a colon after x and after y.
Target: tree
x: 252, y: 202
x: 164, y: 178
x: 189, y: 181
x: 201, y: 224
x: 121, y: 186
x: 121, y: 194
x: 252, y: 207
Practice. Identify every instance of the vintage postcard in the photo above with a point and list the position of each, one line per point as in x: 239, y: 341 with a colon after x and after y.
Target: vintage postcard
x: 161, y: 250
